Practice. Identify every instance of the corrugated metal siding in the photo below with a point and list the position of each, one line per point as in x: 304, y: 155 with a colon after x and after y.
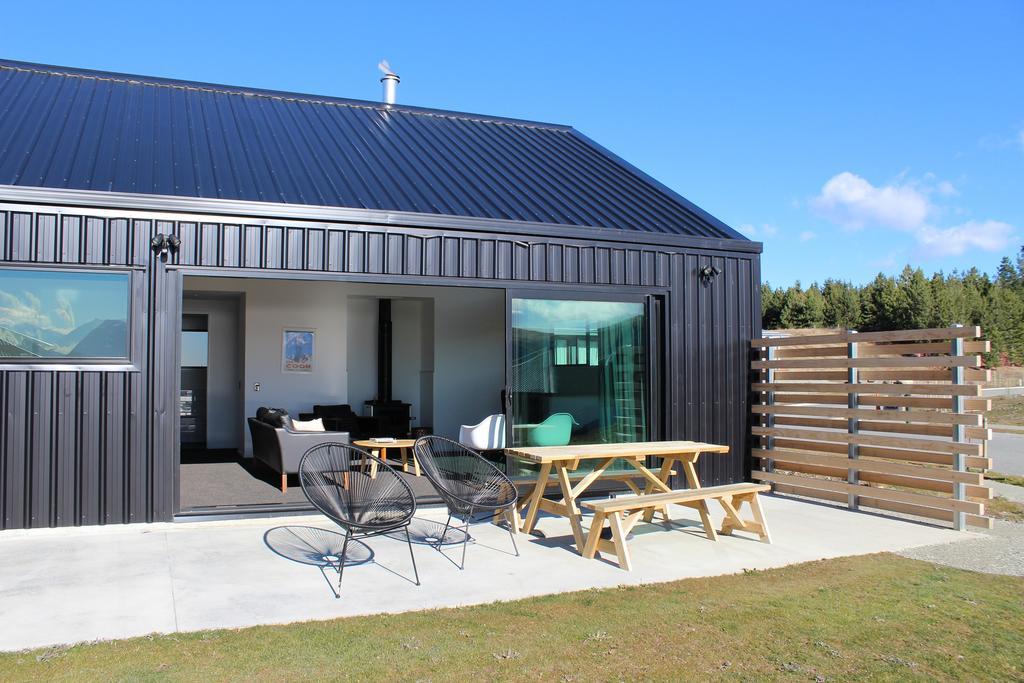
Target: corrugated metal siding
x: 92, y: 447
x: 710, y: 331
x: 75, y: 129
x: 74, y: 443
x: 395, y: 252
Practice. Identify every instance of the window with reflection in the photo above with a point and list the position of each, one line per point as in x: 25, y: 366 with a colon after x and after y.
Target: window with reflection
x: 579, y: 372
x: 48, y: 314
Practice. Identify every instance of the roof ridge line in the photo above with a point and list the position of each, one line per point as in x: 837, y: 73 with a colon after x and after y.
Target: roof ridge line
x: 280, y: 95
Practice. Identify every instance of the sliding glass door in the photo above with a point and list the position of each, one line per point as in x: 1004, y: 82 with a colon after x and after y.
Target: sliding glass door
x: 578, y: 371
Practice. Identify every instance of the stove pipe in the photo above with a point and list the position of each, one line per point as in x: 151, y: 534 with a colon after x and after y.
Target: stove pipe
x: 384, y: 350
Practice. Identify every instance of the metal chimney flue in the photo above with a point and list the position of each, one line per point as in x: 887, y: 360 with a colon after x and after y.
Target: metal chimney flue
x: 390, y: 82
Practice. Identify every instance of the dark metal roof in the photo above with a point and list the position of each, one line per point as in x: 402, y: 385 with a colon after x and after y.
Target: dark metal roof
x: 90, y: 130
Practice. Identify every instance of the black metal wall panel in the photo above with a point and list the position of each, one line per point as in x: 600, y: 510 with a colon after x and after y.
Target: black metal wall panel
x: 73, y: 441
x: 710, y: 330
x: 358, y: 250
x: 82, y: 445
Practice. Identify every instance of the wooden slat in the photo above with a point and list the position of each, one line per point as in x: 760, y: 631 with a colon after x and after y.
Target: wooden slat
x: 978, y: 433
x: 933, y: 333
x: 871, y: 414
x: 906, y: 401
x: 888, y: 453
x: 868, y: 465
x: 813, y: 352
x: 977, y: 375
x: 912, y: 362
x: 889, y: 506
x: 811, y: 398
x: 943, y: 431
x: 870, y: 477
x: 912, y: 375
x: 876, y: 350
x: 657, y: 500
x: 968, y: 506
x: 831, y: 375
x: 867, y: 388
x: 978, y: 404
x: 871, y: 440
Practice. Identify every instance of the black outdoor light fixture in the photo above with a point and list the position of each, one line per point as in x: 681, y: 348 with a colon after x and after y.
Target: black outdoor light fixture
x: 161, y: 243
x: 708, y: 273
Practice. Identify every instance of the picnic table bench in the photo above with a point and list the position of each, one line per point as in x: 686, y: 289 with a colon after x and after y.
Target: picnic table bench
x: 623, y: 513
x: 561, y: 462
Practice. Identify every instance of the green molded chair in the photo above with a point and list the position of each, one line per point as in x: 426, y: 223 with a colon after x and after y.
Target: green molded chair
x: 556, y: 430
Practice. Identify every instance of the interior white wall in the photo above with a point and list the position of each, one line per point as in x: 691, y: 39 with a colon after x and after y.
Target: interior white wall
x: 469, y: 357
x: 271, y: 307
x: 223, y: 376
x: 458, y: 352
x: 361, y: 352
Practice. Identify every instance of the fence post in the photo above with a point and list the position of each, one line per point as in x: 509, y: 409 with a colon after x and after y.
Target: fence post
x: 768, y: 464
x: 959, y: 487
x: 852, y: 425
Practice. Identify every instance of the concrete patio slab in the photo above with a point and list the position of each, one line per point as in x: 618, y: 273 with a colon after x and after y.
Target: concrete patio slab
x: 69, y: 585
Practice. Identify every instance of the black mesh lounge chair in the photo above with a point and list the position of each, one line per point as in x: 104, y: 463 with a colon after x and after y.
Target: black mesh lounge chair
x: 468, y: 484
x: 339, y: 481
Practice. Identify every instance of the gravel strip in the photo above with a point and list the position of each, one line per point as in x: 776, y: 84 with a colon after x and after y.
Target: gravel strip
x: 996, y: 551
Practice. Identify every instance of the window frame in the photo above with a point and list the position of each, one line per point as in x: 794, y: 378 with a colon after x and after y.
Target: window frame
x: 126, y: 362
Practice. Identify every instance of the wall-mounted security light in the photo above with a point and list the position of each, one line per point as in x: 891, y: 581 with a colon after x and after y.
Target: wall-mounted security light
x: 708, y: 273
x: 161, y: 243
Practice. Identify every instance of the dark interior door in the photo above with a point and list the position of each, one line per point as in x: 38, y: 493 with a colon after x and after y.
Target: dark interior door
x: 195, y: 343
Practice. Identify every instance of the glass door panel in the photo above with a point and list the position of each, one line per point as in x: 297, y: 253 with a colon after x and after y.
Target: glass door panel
x: 578, y: 372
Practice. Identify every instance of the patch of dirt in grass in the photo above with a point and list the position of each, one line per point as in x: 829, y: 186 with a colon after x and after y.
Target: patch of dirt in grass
x: 1001, y: 508
x: 1011, y: 479
x: 881, y: 617
x: 1006, y: 410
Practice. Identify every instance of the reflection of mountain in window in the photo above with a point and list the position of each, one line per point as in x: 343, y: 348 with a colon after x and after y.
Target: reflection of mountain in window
x: 62, y: 314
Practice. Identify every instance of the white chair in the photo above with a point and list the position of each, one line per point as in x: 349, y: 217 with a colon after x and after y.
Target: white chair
x: 488, y: 435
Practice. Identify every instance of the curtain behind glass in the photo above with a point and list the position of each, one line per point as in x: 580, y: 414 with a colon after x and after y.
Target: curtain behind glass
x: 623, y: 381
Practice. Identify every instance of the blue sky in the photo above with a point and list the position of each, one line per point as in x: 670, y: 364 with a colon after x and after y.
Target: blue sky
x: 850, y: 138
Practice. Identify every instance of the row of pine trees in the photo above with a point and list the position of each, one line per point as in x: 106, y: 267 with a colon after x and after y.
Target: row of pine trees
x: 912, y: 300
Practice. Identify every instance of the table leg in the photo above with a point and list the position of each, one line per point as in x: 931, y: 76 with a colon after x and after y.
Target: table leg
x: 381, y: 453
x: 619, y: 539
x: 535, y: 497
x: 569, y: 499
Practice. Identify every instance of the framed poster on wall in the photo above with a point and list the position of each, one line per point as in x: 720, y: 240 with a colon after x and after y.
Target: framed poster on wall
x: 297, y: 350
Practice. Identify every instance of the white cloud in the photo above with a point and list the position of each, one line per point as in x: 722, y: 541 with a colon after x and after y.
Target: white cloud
x: 854, y: 203
x: 764, y: 230
x: 955, y: 240
x: 807, y: 235
x: 1020, y: 137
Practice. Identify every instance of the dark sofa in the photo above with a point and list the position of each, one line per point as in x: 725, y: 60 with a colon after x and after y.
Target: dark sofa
x: 279, y: 446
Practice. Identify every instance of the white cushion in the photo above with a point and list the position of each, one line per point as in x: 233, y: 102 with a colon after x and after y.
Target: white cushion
x: 316, y: 425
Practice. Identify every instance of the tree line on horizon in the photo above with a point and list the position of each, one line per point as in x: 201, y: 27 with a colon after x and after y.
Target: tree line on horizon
x: 912, y: 300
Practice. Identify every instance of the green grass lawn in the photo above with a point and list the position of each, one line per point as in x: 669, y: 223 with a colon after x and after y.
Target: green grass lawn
x: 878, y: 616
x: 1007, y: 410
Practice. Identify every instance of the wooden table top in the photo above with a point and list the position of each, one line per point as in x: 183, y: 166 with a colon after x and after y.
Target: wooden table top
x: 397, y: 443
x: 544, y: 454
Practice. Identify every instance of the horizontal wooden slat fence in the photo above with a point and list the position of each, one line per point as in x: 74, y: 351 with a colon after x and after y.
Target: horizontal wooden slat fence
x: 885, y: 420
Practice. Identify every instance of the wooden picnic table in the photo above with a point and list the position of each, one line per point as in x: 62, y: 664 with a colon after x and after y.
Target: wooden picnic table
x: 561, y: 460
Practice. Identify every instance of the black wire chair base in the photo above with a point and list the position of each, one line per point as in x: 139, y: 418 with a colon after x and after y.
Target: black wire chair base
x: 428, y: 532
x: 315, y: 546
